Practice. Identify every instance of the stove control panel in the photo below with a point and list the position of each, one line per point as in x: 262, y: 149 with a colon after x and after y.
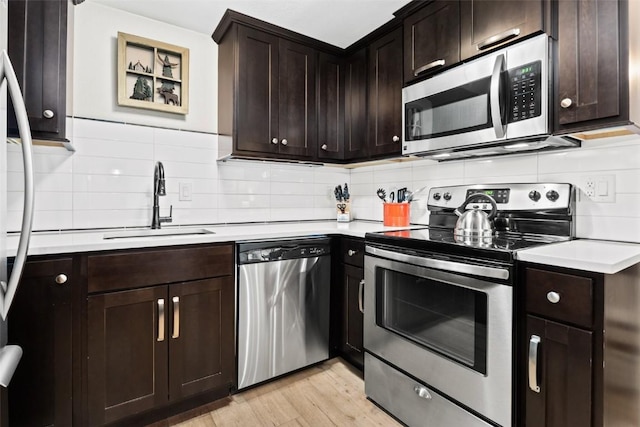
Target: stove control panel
x: 508, y: 197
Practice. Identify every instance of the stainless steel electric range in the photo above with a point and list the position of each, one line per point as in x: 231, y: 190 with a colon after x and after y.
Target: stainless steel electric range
x: 439, y: 306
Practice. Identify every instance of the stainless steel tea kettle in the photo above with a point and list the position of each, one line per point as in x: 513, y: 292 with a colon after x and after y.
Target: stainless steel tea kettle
x: 475, y: 223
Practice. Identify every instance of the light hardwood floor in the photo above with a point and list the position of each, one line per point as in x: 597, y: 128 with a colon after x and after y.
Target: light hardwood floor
x: 330, y: 394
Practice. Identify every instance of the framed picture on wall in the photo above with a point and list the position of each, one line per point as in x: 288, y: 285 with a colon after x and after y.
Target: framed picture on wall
x: 152, y: 74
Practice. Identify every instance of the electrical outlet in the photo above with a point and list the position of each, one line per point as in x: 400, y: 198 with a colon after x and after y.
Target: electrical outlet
x: 185, y: 192
x: 599, y: 188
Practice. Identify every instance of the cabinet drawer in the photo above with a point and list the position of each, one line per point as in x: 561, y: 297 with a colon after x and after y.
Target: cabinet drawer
x: 573, y: 296
x: 353, y: 252
x: 135, y: 269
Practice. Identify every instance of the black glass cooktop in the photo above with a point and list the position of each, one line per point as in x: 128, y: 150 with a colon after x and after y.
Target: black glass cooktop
x: 501, y: 245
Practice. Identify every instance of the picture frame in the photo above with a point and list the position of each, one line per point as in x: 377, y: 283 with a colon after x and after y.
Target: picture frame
x: 152, y: 74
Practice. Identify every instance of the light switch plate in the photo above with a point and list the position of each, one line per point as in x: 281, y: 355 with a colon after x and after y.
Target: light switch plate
x: 599, y: 188
x: 185, y: 191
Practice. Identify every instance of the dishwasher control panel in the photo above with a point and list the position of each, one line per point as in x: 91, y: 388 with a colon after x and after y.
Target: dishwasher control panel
x: 277, y: 251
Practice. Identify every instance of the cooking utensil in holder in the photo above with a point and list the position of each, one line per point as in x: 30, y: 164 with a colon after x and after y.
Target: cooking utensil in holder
x: 396, y: 214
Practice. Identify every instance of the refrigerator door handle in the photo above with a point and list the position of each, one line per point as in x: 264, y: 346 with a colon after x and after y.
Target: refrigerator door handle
x: 9, y: 290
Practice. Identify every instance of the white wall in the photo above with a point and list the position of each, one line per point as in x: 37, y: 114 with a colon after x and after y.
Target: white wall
x: 94, y: 63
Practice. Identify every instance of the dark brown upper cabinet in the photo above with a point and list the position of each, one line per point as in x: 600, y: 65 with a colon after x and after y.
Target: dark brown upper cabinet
x: 591, y: 64
x: 331, y: 107
x: 38, y: 50
x: 431, y: 39
x: 486, y: 24
x: 385, y: 95
x: 267, y: 96
x: 355, y: 140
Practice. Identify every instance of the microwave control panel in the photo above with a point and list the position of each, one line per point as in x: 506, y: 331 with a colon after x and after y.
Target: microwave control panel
x: 524, y: 92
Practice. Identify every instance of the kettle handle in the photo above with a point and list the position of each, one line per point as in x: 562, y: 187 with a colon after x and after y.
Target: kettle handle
x: 472, y: 197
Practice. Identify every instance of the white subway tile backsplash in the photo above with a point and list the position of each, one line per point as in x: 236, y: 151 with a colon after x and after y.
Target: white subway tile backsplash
x: 108, y: 182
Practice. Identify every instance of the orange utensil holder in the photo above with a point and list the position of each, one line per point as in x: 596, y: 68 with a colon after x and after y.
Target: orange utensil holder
x: 396, y: 214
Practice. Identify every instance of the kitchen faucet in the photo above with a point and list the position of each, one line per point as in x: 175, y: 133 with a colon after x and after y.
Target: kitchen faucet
x: 159, y: 190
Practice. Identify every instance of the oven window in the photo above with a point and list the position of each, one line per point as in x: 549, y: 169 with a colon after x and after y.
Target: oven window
x: 448, y: 319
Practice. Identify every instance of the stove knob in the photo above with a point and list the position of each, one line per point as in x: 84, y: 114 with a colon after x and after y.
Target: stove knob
x: 436, y: 196
x: 534, y: 195
x: 447, y: 196
x: 553, y: 195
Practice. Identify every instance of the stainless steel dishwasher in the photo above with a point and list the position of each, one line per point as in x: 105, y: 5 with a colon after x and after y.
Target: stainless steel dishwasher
x: 283, y: 307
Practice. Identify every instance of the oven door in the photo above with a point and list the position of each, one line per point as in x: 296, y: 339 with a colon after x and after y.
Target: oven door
x: 449, y: 330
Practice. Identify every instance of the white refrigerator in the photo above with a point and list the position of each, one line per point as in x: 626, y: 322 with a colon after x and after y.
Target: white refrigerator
x: 10, y: 354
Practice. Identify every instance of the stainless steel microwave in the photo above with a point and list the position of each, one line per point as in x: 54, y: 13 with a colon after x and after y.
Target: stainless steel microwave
x: 495, y: 104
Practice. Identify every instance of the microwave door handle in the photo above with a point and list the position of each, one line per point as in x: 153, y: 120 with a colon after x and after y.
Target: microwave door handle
x: 494, y: 97
x: 8, y: 291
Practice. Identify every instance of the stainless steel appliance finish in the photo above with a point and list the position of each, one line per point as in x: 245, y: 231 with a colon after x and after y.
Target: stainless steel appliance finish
x: 439, y: 310
x: 493, y: 105
x: 487, y: 392
x: 283, y: 307
x: 411, y: 401
x: 10, y: 354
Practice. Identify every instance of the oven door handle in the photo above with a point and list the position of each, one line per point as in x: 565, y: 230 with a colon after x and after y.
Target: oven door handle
x: 452, y: 266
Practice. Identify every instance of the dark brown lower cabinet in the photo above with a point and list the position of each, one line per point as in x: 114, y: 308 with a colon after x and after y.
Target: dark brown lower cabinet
x: 41, y: 322
x: 151, y: 346
x: 352, y: 317
x: 561, y: 369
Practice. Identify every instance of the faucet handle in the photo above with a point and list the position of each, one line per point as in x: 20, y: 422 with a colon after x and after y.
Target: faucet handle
x: 167, y: 218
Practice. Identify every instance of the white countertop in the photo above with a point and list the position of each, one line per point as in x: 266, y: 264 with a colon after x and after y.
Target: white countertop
x: 591, y: 255
x: 46, y: 243
x: 599, y: 256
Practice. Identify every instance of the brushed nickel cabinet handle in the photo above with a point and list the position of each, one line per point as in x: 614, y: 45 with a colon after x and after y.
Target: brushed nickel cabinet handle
x: 274, y: 141
x: 351, y: 252
x: 395, y: 138
x: 324, y: 147
x: 61, y: 279
x: 361, y: 296
x: 176, y: 317
x: 160, y: 319
x: 566, y: 103
x: 534, y: 342
x: 48, y: 114
x: 429, y: 66
x: 284, y: 142
x: 553, y: 297
x: 498, y: 38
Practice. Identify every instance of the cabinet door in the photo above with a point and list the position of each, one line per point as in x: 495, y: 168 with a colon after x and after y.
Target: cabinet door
x: 590, y: 73
x: 297, y: 97
x: 564, y: 375
x: 201, y: 336
x: 485, y: 24
x: 431, y: 39
x: 352, y: 347
x: 127, y: 353
x: 355, y: 144
x: 37, y: 47
x: 41, y: 323
x: 330, y: 107
x: 256, y: 122
x: 385, y: 94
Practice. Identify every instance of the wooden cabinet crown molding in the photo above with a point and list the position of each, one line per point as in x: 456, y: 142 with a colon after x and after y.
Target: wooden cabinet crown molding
x: 231, y: 16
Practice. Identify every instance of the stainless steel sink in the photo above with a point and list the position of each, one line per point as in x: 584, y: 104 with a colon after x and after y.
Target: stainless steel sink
x: 157, y: 233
